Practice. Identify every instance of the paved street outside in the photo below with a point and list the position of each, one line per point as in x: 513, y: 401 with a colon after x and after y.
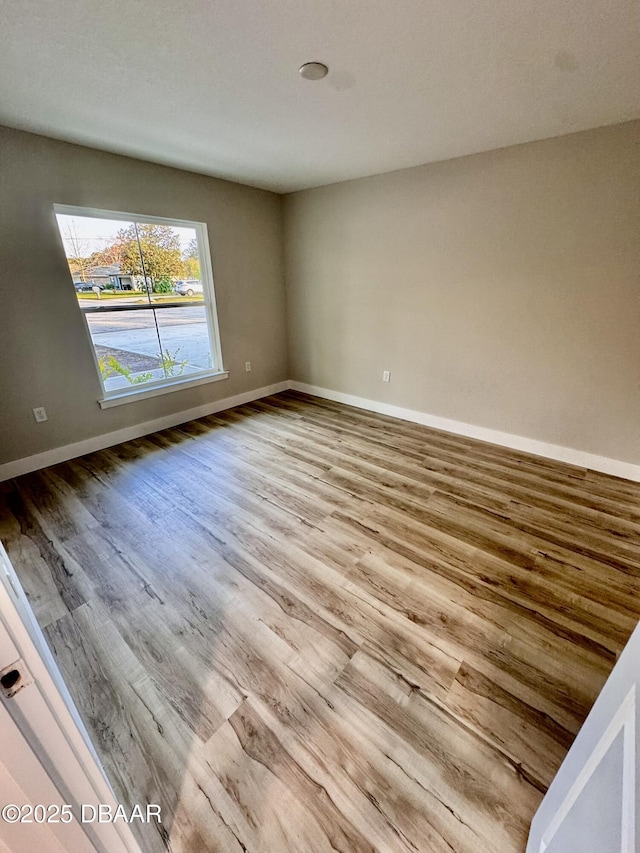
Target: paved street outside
x: 181, y: 331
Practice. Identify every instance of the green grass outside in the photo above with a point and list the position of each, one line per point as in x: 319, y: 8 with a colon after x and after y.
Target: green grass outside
x: 155, y: 297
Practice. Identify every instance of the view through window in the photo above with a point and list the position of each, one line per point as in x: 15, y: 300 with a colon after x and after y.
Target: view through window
x: 144, y: 286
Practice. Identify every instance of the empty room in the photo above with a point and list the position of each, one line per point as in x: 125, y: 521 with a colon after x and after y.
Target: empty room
x: 320, y: 426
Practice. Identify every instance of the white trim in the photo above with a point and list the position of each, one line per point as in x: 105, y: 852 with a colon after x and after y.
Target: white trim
x: 121, y: 215
x: 45, y: 714
x: 580, y: 458
x: 625, y: 720
x: 209, y: 293
x: 109, y: 439
x: 628, y: 833
x: 132, y: 395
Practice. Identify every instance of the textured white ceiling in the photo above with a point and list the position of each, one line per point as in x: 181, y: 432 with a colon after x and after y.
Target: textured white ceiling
x: 212, y: 85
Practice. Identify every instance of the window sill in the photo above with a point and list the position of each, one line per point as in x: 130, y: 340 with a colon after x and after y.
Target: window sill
x: 133, y: 395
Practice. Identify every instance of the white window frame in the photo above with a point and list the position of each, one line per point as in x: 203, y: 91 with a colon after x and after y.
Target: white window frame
x: 161, y: 386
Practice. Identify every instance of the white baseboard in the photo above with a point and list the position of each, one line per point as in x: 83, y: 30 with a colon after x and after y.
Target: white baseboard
x: 109, y: 439
x: 604, y: 464
x: 615, y: 467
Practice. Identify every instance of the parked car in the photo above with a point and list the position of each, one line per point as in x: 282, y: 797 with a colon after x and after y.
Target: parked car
x: 189, y: 287
x: 87, y: 286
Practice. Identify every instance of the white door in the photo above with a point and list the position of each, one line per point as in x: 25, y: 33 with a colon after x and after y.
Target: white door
x: 46, y: 756
x: 25, y: 785
x: 591, y: 804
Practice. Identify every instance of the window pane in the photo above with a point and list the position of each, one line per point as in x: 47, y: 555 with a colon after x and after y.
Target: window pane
x: 103, y: 258
x: 127, y: 348
x: 131, y: 262
x: 169, y: 261
x: 135, y: 347
x: 185, y: 339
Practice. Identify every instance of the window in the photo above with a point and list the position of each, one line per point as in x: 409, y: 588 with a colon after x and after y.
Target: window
x: 144, y: 286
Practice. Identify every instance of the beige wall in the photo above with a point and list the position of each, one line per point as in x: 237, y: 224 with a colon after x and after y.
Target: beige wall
x: 500, y: 289
x: 45, y: 356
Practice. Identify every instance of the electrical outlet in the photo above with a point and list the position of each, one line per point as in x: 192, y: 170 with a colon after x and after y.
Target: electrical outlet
x: 40, y: 414
x: 386, y: 376
x: 247, y: 366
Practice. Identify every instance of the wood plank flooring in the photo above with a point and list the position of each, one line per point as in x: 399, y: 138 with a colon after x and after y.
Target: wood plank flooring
x: 303, y: 627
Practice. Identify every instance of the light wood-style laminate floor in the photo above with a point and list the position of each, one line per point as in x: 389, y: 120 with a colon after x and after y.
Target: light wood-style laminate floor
x: 304, y: 627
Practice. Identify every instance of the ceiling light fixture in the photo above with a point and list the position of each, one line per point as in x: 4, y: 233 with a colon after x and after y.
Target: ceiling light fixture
x: 313, y: 70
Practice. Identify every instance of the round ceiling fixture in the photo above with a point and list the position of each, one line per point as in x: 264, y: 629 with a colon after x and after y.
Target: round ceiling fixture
x: 313, y: 70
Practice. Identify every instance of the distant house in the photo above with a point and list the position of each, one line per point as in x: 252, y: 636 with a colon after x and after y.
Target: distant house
x: 110, y: 276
